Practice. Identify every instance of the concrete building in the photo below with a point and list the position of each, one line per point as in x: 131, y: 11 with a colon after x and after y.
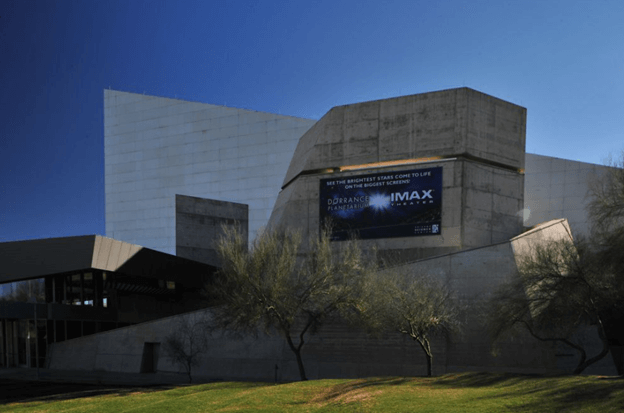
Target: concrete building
x: 58, y: 289
x: 438, y: 181
x: 339, y: 350
x: 555, y: 188
x: 475, y: 141
x: 156, y: 148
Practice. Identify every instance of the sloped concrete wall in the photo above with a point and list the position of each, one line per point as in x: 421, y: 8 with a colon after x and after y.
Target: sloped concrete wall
x: 445, y: 123
x: 566, y: 358
x: 339, y: 350
x: 473, y: 275
x: 121, y: 350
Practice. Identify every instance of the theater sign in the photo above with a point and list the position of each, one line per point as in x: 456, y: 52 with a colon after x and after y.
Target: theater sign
x: 383, y: 205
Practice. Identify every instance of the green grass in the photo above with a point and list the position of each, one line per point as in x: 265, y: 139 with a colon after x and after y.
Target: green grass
x: 466, y: 392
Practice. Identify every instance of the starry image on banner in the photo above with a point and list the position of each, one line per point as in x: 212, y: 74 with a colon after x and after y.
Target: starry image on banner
x: 383, y: 205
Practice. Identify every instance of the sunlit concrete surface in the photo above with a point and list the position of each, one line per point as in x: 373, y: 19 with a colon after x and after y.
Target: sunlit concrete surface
x: 156, y: 148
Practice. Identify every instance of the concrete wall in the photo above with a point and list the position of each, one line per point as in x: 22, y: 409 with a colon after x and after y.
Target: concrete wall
x: 481, y: 205
x: 335, y: 351
x: 297, y: 207
x: 436, y: 124
x: 121, y: 350
x: 198, y: 226
x: 479, y: 141
x: 558, y: 188
x: 566, y: 358
x: 338, y: 350
x: 492, y: 200
x: 155, y: 148
x: 473, y: 275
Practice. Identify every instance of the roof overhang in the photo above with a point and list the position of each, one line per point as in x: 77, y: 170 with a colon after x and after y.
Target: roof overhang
x: 22, y: 260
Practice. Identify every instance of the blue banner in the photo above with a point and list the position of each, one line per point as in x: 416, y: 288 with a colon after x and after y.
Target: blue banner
x: 383, y: 205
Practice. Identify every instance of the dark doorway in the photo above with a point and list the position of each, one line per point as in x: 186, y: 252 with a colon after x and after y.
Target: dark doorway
x: 149, y: 364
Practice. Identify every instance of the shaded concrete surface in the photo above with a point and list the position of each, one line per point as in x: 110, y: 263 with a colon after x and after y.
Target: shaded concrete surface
x: 338, y: 350
x: 199, y: 224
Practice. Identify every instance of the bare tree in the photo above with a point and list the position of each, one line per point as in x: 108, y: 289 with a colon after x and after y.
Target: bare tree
x: 565, y: 285
x: 606, y: 211
x: 187, y: 342
x: 279, y: 287
x: 559, y: 289
x: 606, y: 208
x: 417, y: 305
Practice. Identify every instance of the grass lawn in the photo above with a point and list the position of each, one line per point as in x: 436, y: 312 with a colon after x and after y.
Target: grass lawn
x: 466, y: 392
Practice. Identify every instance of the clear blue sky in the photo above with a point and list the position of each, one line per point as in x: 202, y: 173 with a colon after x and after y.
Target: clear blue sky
x: 562, y: 60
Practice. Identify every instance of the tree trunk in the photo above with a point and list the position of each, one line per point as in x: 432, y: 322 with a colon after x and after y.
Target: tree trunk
x: 189, y: 369
x: 297, y: 351
x: 424, y: 344
x: 189, y: 360
x: 300, y: 364
x: 583, y: 364
x: 429, y: 361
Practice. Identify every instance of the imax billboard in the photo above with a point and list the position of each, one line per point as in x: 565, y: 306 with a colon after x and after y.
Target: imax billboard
x: 383, y: 205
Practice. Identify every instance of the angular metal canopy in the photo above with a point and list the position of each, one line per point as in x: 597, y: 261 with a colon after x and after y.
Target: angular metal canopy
x: 22, y: 260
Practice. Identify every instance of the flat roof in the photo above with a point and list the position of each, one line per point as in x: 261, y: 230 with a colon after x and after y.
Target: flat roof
x: 22, y: 260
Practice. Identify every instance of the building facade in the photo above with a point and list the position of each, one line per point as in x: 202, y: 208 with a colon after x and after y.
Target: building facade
x: 439, y: 182
x: 58, y: 289
x: 156, y: 148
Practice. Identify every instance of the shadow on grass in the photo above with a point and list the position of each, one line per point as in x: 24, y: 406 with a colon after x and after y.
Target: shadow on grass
x: 483, y: 379
x: 545, y: 393
x: 345, y: 391
x: 577, y: 396
x: 37, y: 391
x: 372, y: 385
x: 30, y: 391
